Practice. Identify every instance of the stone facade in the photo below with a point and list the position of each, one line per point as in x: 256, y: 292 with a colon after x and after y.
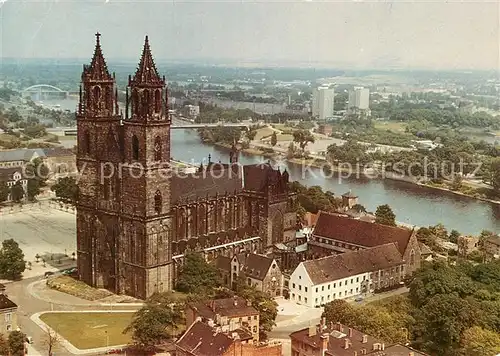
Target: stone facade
x: 135, y: 217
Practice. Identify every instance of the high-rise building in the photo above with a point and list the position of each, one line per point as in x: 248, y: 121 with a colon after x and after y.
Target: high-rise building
x: 359, y: 101
x: 322, y: 105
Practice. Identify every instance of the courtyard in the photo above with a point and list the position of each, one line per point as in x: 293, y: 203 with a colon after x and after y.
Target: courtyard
x: 89, y: 330
x: 43, y: 230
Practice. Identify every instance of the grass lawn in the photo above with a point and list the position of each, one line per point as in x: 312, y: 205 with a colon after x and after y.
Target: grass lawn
x: 7, y: 137
x: 390, y: 125
x: 285, y: 137
x: 69, y: 285
x: 88, y: 330
x: 263, y: 132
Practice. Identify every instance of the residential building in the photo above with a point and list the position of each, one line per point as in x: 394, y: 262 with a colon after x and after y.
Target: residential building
x: 335, y: 339
x: 325, y: 130
x: 201, y: 339
x: 492, y: 247
x: 228, y: 314
x: 467, y: 244
x: 256, y: 270
x: 16, y: 158
x: 347, y: 275
x: 193, y: 111
x: 13, y: 176
x: 322, y: 103
x: 8, y: 312
x: 359, y: 101
x: 334, y: 234
x: 60, y: 161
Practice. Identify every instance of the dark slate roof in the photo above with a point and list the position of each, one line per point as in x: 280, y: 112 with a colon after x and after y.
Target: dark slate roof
x: 259, y: 176
x: 6, y: 174
x: 256, y: 266
x: 337, y: 335
x: 57, y: 152
x: 332, y: 268
x: 197, y: 185
x: 397, y: 350
x: 231, y: 307
x: 16, y: 155
x: 201, y: 340
x: 223, y: 263
x: 359, y: 232
x: 6, y: 303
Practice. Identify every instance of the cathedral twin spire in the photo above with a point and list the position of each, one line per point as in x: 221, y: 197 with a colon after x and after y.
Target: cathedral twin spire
x: 145, y: 75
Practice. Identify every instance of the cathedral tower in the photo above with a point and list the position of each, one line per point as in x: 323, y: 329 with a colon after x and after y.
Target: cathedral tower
x: 98, y: 159
x: 146, y: 221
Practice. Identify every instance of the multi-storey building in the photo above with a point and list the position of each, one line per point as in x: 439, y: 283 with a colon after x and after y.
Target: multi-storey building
x: 136, y: 217
x: 335, y: 339
x: 320, y: 281
x: 322, y: 103
x: 335, y: 234
x: 359, y: 101
x: 228, y: 314
x: 201, y: 339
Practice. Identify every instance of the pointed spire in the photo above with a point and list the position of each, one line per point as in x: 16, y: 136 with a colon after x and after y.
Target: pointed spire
x: 146, y: 71
x: 98, y: 69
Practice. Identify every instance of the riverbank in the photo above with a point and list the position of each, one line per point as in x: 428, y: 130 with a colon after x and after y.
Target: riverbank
x: 321, y: 163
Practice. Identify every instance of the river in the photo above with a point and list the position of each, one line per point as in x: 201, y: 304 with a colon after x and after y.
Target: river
x: 412, y: 204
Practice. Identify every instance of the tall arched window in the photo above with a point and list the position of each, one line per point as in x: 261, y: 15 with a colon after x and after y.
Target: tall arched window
x: 97, y: 97
x: 158, y: 147
x: 86, y: 142
x: 108, y: 99
x: 135, y: 102
x: 135, y: 148
x: 158, y: 101
x: 412, y: 257
x: 145, y: 102
x: 158, y: 202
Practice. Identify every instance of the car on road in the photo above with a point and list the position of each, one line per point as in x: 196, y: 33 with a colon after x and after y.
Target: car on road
x: 69, y: 271
x: 48, y: 274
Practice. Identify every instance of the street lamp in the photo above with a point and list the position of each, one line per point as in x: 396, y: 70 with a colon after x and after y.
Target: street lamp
x: 107, y: 338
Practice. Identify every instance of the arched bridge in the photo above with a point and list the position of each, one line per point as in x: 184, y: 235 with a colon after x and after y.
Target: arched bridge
x: 44, y: 88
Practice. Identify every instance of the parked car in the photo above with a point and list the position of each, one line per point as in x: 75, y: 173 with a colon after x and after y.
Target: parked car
x: 48, y: 274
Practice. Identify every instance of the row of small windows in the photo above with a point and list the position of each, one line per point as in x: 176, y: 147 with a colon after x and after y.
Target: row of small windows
x: 328, y: 286
x: 135, y: 147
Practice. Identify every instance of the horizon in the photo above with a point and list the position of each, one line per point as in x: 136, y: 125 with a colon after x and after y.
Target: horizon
x: 335, y: 35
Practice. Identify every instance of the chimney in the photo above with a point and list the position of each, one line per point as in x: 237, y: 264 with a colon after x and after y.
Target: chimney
x: 346, y: 343
x: 323, y: 323
x: 355, y: 353
x: 350, y: 332
x: 365, y: 339
x: 249, y: 303
x: 235, y: 301
x: 383, y: 347
x: 324, y: 342
x: 212, y: 305
x: 312, y: 331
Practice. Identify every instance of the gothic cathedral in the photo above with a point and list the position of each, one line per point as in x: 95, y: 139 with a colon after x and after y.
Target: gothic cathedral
x: 136, y: 218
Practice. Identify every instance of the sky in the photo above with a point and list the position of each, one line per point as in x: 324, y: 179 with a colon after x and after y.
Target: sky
x: 356, y: 34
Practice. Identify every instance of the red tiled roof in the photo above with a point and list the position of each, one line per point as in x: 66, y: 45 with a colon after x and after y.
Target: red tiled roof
x: 359, y: 232
x: 337, y: 335
x: 230, y: 307
x: 201, y: 340
x: 332, y: 268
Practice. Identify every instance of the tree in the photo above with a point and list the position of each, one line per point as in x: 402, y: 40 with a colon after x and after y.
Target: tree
x: 33, y: 189
x: 156, y: 321
x: 17, y: 192
x: 385, y: 216
x: 456, y: 182
x: 66, y: 189
x: 359, y: 208
x: 495, y: 173
x: 4, y: 345
x: 340, y: 311
x: 303, y: 137
x: 263, y: 302
x: 480, y: 342
x: 454, y: 235
x: 197, y: 276
x: 37, y: 169
x: 274, y: 139
x: 51, y: 338
x: 12, y: 263
x: 4, y: 191
x: 16, y: 343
